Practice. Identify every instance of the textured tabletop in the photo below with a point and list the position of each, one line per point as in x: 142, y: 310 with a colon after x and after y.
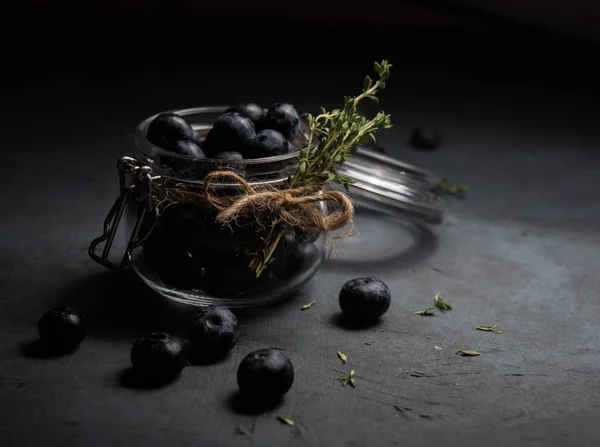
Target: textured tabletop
x: 520, y: 251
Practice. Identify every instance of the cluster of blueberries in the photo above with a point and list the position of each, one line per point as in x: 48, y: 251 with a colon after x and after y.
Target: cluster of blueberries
x: 243, y: 131
x: 213, y: 331
x: 188, y: 250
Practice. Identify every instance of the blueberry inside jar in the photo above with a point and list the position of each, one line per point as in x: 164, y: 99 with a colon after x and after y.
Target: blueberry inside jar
x: 188, y: 254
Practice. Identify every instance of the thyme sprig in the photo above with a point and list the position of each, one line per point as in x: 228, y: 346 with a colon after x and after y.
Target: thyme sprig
x: 332, y: 139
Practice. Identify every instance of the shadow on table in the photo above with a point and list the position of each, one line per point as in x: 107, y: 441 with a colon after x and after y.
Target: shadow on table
x: 268, y: 311
x: 118, y: 306
x: 240, y: 405
x: 383, y: 243
x: 121, y: 306
x: 130, y: 379
x: 37, y: 349
x: 343, y: 322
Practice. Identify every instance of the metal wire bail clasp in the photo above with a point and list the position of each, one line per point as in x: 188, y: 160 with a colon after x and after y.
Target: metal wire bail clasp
x: 135, y: 184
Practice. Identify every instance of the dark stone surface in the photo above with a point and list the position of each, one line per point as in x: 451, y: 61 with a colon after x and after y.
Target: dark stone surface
x: 520, y: 251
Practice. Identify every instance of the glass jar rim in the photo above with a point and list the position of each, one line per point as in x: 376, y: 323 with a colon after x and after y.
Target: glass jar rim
x: 383, y: 184
x: 142, y: 140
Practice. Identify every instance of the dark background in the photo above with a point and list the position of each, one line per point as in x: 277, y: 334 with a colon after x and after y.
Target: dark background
x: 516, y: 98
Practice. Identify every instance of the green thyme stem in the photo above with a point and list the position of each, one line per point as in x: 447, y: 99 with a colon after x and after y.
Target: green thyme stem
x: 336, y: 135
x: 271, y: 249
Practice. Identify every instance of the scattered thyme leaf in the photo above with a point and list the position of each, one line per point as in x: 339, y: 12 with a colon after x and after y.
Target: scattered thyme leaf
x: 441, y: 303
x: 444, y: 185
x: 486, y: 328
x: 348, y: 380
x: 429, y: 337
x: 498, y: 332
x: 468, y: 353
x: 382, y: 330
x: 425, y: 312
x: 286, y: 420
x: 368, y: 343
x: 308, y: 305
x: 343, y: 356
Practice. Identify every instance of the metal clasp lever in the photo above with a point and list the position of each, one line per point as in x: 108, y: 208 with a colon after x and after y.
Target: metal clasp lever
x: 133, y: 178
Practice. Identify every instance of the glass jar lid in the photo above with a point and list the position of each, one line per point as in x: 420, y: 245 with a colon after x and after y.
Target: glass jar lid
x: 387, y: 185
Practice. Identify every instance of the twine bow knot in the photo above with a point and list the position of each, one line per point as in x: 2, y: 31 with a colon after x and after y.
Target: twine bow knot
x: 300, y: 207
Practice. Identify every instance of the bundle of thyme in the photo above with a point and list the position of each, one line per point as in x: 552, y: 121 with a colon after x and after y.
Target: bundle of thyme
x: 333, y: 137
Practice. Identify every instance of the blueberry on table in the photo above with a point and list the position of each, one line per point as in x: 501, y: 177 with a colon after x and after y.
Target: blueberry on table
x: 188, y: 148
x: 265, y: 374
x: 62, y: 328
x: 229, y: 156
x: 283, y: 118
x: 213, y: 331
x: 158, y: 356
x: 364, y: 299
x: 267, y: 143
x: 425, y: 138
x: 168, y: 128
x: 230, y: 132
x: 250, y: 110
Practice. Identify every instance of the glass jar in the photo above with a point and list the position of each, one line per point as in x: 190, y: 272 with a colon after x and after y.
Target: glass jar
x: 184, y: 255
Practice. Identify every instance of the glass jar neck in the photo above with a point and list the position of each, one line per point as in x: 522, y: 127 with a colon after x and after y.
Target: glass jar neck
x: 273, y: 170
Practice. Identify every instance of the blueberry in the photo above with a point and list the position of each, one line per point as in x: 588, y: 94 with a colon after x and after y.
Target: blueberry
x: 265, y: 374
x: 189, y: 148
x: 213, y: 332
x: 291, y: 258
x: 365, y: 299
x: 425, y: 138
x: 179, y: 228
x: 181, y: 270
x: 250, y: 110
x: 174, y: 250
x: 284, y: 118
x: 62, y: 328
x: 158, y: 356
x: 168, y: 128
x: 229, y: 156
x: 304, y: 259
x: 197, y: 138
x: 233, y: 279
x: 267, y: 143
x: 230, y: 132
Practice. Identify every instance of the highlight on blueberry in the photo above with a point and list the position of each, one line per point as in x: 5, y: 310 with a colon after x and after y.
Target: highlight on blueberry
x: 168, y: 128
x: 249, y: 110
x: 364, y: 299
x: 213, y: 331
x: 188, y: 148
x: 283, y: 118
x: 268, y: 143
x: 158, y: 357
x: 229, y: 156
x: 293, y: 255
x: 265, y: 374
x: 62, y: 328
x: 230, y: 132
